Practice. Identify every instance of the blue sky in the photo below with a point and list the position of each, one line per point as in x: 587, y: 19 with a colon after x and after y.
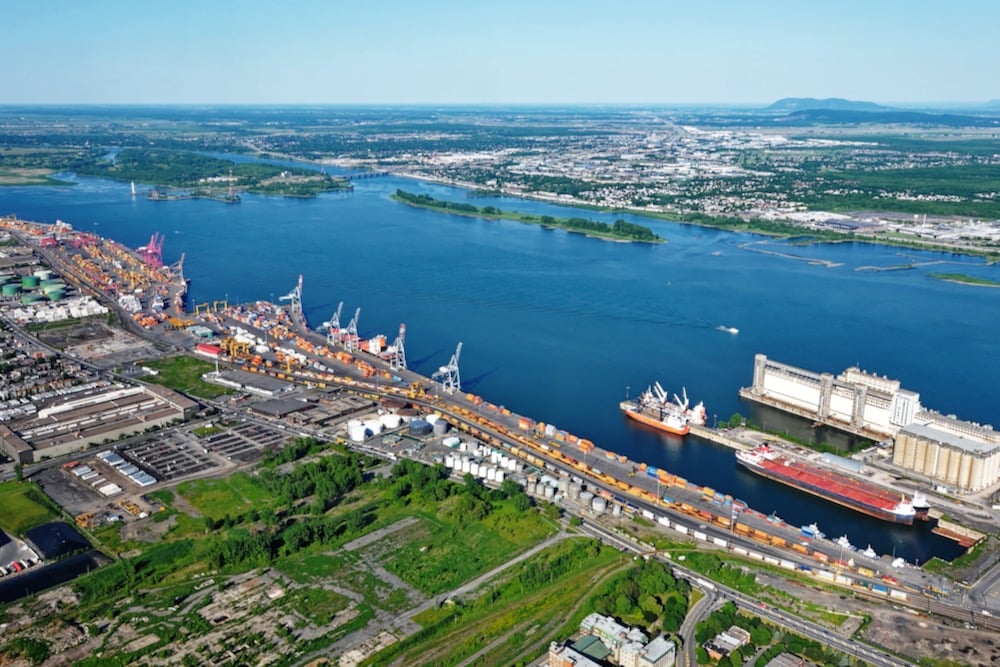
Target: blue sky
x: 514, y: 51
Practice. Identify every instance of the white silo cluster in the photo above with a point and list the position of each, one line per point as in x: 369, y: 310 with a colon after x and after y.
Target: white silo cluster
x: 359, y: 430
x: 479, y: 461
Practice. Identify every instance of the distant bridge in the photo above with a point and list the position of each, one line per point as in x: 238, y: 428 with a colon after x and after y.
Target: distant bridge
x: 365, y: 174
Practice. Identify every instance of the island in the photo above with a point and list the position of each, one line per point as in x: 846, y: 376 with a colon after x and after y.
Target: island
x: 619, y: 231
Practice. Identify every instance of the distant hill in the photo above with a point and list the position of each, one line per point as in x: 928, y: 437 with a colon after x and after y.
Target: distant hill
x: 793, y: 104
x: 827, y: 116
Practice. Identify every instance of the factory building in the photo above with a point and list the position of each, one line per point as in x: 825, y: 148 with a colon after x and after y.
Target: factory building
x: 73, y: 419
x: 956, y: 454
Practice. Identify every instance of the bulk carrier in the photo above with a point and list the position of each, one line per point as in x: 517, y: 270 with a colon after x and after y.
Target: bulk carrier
x: 654, y: 408
x: 841, y: 489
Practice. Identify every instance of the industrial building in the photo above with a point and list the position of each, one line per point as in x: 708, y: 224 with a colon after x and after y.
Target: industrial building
x: 73, y: 419
x: 956, y: 454
x: 727, y: 641
x: 868, y: 405
x: 606, y: 640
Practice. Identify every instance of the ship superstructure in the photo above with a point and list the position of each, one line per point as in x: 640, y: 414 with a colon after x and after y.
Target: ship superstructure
x: 654, y: 408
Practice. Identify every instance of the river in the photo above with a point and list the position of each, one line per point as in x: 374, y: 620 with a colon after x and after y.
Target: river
x: 561, y: 327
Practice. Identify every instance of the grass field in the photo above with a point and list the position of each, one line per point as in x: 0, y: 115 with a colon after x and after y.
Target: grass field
x: 24, y: 506
x: 233, y: 495
x: 184, y: 374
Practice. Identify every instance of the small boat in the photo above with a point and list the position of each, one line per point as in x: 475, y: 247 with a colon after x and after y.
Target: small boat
x: 732, y: 330
x: 812, y: 531
x: 844, y: 543
x: 869, y: 552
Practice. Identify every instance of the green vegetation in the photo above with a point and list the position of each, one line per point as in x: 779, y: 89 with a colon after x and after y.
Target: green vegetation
x: 210, y: 176
x: 965, y: 279
x: 645, y: 594
x: 620, y: 230
x: 24, y: 507
x: 183, y: 373
x: 36, y: 651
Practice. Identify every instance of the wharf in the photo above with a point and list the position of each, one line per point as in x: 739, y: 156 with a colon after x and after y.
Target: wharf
x: 749, y: 394
x: 725, y: 437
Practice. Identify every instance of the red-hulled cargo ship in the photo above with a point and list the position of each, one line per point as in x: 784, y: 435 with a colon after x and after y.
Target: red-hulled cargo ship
x: 654, y: 408
x: 841, y: 489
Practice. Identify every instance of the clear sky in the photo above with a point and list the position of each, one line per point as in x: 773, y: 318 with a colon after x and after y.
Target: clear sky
x: 497, y: 51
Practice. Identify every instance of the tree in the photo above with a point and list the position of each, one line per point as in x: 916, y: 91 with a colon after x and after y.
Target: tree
x: 19, y: 472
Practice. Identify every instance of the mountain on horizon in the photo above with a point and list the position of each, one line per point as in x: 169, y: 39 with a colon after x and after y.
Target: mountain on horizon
x: 793, y: 104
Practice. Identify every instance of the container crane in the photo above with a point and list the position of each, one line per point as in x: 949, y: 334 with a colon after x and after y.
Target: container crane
x: 449, y: 375
x: 351, y: 333
x: 295, y: 300
x: 333, y: 326
x: 398, y: 359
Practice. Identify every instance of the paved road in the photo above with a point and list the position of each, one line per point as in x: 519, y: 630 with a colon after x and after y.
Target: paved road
x: 696, y: 614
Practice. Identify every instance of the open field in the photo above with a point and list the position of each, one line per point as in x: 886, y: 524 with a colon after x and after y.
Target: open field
x: 28, y: 176
x: 24, y: 506
x: 183, y: 374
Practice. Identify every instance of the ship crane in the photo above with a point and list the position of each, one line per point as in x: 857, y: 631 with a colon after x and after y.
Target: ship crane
x: 351, y: 333
x: 398, y: 360
x: 661, y: 393
x: 333, y: 326
x: 449, y: 376
x: 683, y: 404
x: 295, y: 299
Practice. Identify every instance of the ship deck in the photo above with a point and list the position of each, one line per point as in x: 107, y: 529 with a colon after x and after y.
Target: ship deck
x: 847, y: 487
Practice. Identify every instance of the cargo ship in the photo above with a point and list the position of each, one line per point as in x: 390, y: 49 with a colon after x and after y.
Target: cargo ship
x: 654, y: 408
x: 841, y: 489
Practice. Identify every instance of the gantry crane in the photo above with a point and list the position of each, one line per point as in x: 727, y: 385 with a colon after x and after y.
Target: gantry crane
x: 449, y: 376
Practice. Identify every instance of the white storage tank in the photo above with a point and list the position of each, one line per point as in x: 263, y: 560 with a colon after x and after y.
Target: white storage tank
x: 357, y: 432
x: 616, y: 510
x: 449, y: 461
x: 440, y: 427
x: 532, y: 488
x: 599, y: 504
x: 586, y: 497
x: 474, y: 469
x: 550, y: 492
x: 432, y: 419
x: 466, y: 465
x: 500, y: 476
x: 390, y: 420
x: 491, y: 474
x: 373, y: 425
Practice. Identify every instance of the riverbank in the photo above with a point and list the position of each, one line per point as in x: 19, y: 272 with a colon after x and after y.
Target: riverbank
x: 776, y: 229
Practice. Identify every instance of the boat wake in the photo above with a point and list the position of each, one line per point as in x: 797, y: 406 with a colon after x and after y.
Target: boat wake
x: 732, y: 330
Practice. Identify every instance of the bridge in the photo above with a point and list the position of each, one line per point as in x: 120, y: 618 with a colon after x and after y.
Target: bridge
x: 365, y: 174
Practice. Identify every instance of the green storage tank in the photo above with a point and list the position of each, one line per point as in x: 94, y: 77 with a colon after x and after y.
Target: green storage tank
x: 45, y: 289
x: 56, y: 294
x: 10, y: 289
x: 31, y: 298
x: 29, y: 282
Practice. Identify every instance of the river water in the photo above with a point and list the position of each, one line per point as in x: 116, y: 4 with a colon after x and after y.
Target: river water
x: 561, y: 327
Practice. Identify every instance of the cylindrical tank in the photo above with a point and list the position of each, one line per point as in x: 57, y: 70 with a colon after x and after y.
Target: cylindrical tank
x: 474, y: 469
x: 440, y: 427
x: 430, y: 419
x: 419, y: 427
x: 357, y: 432
x: 51, y: 287
x: 11, y: 289
x: 532, y: 488
x: 499, y: 476
x: 56, y: 295
x: 449, y: 461
x: 586, y: 497
x: 616, y: 510
x: 43, y: 274
x: 31, y: 298
x: 29, y: 282
x: 390, y: 420
x: 466, y: 465
x: 599, y: 504
x: 550, y: 492
x: 491, y: 474
x: 373, y: 425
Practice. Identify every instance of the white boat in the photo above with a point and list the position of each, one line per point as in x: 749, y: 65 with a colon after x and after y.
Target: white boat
x: 812, y: 531
x: 869, y: 552
x: 732, y: 330
x: 843, y: 542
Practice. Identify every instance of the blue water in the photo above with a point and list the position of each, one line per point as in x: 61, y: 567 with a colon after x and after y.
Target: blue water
x: 560, y: 327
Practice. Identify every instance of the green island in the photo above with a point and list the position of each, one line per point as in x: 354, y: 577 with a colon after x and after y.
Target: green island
x: 964, y: 279
x: 619, y: 231
x: 202, y: 176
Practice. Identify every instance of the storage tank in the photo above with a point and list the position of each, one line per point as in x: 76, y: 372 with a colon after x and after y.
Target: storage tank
x: 420, y: 427
x: 43, y: 274
x: 449, y: 461
x: 358, y: 432
x: 616, y: 510
x: 474, y: 469
x: 29, y: 282
x: 373, y: 425
x: 532, y: 488
x: 599, y: 504
x: 586, y: 497
x: 466, y: 465
x: 31, y: 298
x: 56, y: 294
x: 550, y: 492
x: 440, y: 427
x: 11, y: 289
x: 431, y: 419
x: 499, y: 476
x: 390, y: 420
